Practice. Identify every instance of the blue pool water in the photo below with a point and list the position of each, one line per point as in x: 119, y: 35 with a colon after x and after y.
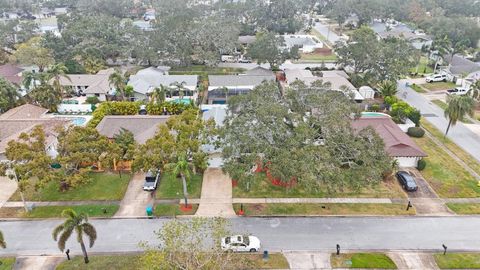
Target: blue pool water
x: 374, y: 114
x: 79, y: 121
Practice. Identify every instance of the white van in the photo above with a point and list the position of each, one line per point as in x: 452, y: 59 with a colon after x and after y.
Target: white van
x: 459, y: 91
x: 228, y: 58
x: 436, y: 78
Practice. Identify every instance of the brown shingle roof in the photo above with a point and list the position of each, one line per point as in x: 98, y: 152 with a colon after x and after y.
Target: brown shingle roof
x: 26, y: 111
x: 11, y: 73
x: 397, y: 143
x: 143, y: 127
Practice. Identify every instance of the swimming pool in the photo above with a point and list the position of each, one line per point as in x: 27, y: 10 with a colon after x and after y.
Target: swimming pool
x: 374, y: 114
x: 79, y: 121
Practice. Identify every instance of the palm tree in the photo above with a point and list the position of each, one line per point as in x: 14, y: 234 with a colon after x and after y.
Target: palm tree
x: 79, y: 223
x: 159, y: 94
x: 182, y: 167
x: 458, y: 107
x: 225, y: 91
x: 9, y: 95
x: 3, y: 244
x: 387, y: 88
x: 180, y: 87
x: 118, y: 81
x: 54, y: 74
x: 474, y: 91
x: 443, y: 48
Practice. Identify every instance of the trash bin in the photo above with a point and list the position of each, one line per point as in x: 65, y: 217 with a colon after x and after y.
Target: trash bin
x: 150, y: 211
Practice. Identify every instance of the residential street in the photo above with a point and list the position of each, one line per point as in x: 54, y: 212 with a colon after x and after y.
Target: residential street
x: 459, y: 133
x: 393, y: 233
x: 331, y: 36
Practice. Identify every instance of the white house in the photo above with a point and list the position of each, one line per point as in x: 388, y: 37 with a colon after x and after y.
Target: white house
x: 305, y: 43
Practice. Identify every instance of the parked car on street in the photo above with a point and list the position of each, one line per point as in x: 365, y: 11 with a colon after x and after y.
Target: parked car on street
x: 245, y: 60
x: 241, y: 243
x: 436, y: 78
x: 151, y: 180
x: 457, y: 91
x: 407, y: 181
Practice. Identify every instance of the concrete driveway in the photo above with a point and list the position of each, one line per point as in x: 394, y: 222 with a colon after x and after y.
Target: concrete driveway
x: 8, y: 187
x: 136, y: 199
x: 216, y: 199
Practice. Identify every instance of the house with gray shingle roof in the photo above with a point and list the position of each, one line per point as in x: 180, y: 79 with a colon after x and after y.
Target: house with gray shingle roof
x: 90, y: 84
x: 236, y: 85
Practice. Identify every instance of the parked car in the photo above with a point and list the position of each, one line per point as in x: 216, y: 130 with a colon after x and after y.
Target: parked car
x: 436, y: 78
x: 457, y: 91
x: 407, y: 181
x: 241, y: 243
x: 245, y: 60
x: 151, y: 180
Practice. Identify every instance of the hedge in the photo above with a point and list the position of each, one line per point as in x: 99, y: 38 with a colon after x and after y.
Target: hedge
x: 416, y: 132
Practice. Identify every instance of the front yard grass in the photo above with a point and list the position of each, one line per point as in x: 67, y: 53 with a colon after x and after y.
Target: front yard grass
x: 448, y: 178
x: 453, y: 147
x: 418, y: 88
x: 327, y: 209
x: 262, y: 188
x: 7, y: 263
x: 56, y: 211
x: 465, y: 208
x: 458, y: 260
x: 255, y: 261
x: 171, y: 187
x: 438, y: 86
x: 317, y: 57
x: 171, y: 210
x: 362, y: 260
x: 440, y: 104
x: 422, y: 67
x: 102, y: 187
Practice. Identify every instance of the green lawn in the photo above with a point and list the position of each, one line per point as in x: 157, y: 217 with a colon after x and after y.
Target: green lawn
x: 102, y: 187
x: 171, y: 187
x: 458, y: 260
x: 450, y: 145
x: 440, y: 104
x: 317, y: 57
x: 56, y: 211
x: 417, y: 88
x: 465, y: 208
x: 110, y: 262
x: 169, y: 210
x: 262, y: 188
x: 362, y: 260
x: 423, y: 67
x: 295, y: 209
x: 128, y: 262
x: 438, y: 86
x: 448, y: 178
x: 7, y: 263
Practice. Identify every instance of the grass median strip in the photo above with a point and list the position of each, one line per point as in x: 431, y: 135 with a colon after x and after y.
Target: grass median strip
x: 440, y: 104
x: 465, y: 208
x: 7, y: 263
x: 169, y: 210
x: 101, y: 187
x: 458, y: 260
x: 362, y: 260
x: 438, y: 86
x: 124, y: 262
x: 418, y: 88
x: 56, y: 211
x: 298, y: 209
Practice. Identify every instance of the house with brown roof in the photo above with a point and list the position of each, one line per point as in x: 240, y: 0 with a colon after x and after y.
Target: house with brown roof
x: 23, y: 119
x: 143, y: 127
x: 398, y: 145
x: 11, y: 73
x: 90, y: 84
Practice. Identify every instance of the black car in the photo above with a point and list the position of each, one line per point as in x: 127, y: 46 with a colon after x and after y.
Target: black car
x: 407, y: 181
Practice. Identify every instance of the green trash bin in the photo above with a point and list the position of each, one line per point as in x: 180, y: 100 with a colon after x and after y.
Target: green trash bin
x: 149, y: 211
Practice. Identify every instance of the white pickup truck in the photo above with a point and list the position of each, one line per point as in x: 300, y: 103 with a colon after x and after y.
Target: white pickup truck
x: 457, y: 91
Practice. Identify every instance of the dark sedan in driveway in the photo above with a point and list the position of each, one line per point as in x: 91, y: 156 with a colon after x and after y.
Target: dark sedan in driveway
x: 407, y: 181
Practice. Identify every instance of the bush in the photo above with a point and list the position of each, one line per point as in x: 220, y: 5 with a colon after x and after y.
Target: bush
x: 375, y: 108
x: 416, y: 132
x: 92, y: 100
x: 113, y: 108
x: 421, y: 164
x: 415, y: 116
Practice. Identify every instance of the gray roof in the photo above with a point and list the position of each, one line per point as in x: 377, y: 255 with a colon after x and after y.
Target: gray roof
x: 237, y: 80
x: 260, y: 71
x: 143, y: 127
x: 25, y: 111
x: 298, y: 40
x: 460, y: 65
x: 246, y: 39
x: 144, y: 83
x: 95, y: 83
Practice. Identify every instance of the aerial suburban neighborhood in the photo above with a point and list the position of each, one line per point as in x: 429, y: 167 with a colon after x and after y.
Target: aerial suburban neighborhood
x: 239, y: 134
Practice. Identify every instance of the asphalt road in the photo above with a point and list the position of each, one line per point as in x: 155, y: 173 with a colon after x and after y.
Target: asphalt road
x: 460, y: 134
x: 331, y: 36
x: 393, y: 233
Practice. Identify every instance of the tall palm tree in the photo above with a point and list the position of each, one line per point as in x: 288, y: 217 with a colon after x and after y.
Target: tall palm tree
x: 443, y: 47
x: 79, y: 223
x: 181, y: 167
x: 159, y: 94
x: 474, y: 91
x: 119, y: 82
x: 458, y: 107
x: 54, y: 74
x: 387, y: 88
x: 3, y: 244
x: 180, y: 87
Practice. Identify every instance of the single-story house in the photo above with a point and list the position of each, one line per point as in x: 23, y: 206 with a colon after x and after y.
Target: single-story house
x: 398, y: 145
x: 246, y: 40
x: 146, y: 80
x: 11, y: 73
x: 91, y: 84
x: 417, y: 38
x: 459, y: 68
x: 337, y: 80
x: 143, y: 127
x: 305, y: 43
x: 236, y: 85
x: 23, y: 119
